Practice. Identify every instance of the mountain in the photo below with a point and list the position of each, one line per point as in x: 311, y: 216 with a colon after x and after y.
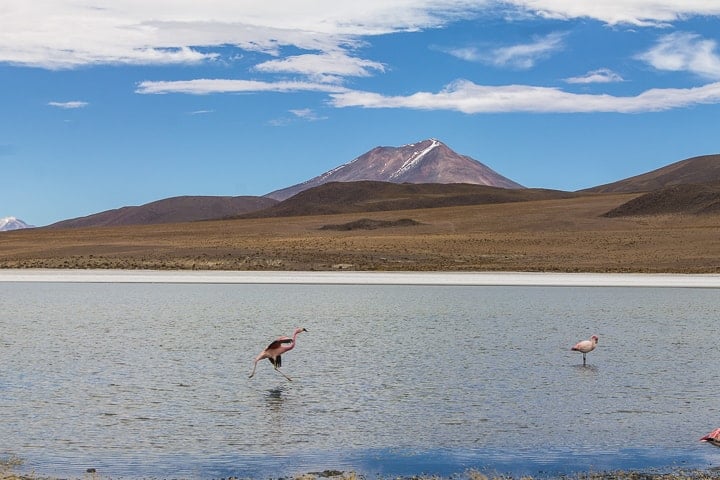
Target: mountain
x: 373, y: 196
x: 695, y: 170
x: 695, y: 199
x: 12, y: 223
x: 422, y: 175
x: 429, y: 161
x: 172, y: 210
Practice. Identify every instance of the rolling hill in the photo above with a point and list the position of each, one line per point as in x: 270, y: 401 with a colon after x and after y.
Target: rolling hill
x: 171, y: 210
x: 374, y: 196
x: 695, y: 170
x: 695, y: 199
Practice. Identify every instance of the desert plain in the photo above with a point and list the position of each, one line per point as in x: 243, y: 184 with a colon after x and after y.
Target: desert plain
x: 560, y: 235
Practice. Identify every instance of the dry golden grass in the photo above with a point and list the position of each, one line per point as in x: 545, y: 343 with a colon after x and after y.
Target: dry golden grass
x: 568, y: 235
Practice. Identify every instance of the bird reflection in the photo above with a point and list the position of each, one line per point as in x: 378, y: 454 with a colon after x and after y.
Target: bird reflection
x: 274, y: 398
x: 586, y: 369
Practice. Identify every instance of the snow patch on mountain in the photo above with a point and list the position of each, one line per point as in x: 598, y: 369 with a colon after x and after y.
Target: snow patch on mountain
x: 330, y: 172
x: 12, y: 223
x: 415, y: 159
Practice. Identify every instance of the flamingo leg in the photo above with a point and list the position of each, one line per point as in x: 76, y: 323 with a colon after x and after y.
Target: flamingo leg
x: 281, y: 373
x: 583, y: 359
x: 253, y: 371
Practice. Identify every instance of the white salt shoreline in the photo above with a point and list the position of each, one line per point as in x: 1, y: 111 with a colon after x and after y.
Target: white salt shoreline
x: 365, y: 278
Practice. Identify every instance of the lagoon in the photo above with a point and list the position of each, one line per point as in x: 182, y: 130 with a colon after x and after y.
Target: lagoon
x: 149, y: 378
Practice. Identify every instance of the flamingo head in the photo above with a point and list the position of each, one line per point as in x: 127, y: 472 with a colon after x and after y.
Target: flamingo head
x: 299, y: 329
x: 594, y: 338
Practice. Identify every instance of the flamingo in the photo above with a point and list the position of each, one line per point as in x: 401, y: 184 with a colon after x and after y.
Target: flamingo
x: 713, y: 438
x: 275, y: 349
x: 586, y: 346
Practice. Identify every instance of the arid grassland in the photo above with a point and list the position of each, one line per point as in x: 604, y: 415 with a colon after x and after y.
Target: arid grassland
x: 565, y: 235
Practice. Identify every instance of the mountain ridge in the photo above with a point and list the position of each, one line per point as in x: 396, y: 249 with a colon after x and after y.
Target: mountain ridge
x: 693, y: 170
x: 427, y: 161
x: 690, y: 187
x: 413, y: 162
x: 171, y: 210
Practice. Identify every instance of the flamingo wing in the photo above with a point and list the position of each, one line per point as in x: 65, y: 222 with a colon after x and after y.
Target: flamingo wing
x: 583, y: 346
x: 279, y: 342
x: 712, y: 437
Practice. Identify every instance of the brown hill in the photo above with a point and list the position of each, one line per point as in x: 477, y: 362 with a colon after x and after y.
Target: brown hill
x: 171, y: 210
x: 676, y: 199
x: 693, y: 170
x: 429, y: 161
x: 568, y: 235
x: 371, y: 196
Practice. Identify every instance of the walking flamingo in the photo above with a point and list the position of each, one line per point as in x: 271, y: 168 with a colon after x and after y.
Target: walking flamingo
x: 713, y: 438
x: 274, y: 351
x: 586, y: 346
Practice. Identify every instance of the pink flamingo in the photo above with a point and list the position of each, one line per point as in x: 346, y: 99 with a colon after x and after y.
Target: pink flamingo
x: 275, y: 349
x: 586, y: 346
x: 713, y: 438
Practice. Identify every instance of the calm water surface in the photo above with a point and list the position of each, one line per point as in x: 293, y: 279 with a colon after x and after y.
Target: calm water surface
x: 151, y: 380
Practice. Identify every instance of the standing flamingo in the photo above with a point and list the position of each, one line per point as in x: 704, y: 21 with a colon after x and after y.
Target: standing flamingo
x: 275, y: 349
x: 586, y: 346
x: 713, y: 438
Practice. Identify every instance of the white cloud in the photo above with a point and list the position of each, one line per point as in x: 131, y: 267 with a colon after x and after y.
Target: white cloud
x: 468, y: 97
x: 69, y: 105
x: 307, y: 114
x: 636, y: 12
x: 469, y: 54
x: 57, y: 34
x: 526, y: 55
x: 325, y: 67
x: 324, y: 36
x: 521, y: 56
x: 602, y: 75
x: 462, y: 95
x: 206, y: 86
x: 682, y: 51
x: 66, y: 33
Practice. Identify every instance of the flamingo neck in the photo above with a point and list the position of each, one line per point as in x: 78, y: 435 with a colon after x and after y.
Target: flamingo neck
x: 295, y: 334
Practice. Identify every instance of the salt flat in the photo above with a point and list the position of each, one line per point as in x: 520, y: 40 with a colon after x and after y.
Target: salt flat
x: 365, y: 278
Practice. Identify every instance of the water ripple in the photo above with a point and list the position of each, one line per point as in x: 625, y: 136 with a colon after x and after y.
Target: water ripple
x: 151, y: 379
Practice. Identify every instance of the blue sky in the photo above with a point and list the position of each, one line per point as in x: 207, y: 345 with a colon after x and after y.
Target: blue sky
x: 108, y: 104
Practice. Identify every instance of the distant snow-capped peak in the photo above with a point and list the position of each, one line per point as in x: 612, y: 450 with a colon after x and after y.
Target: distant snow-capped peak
x: 12, y: 223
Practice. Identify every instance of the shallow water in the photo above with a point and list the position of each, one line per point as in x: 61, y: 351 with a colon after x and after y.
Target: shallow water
x: 152, y: 379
